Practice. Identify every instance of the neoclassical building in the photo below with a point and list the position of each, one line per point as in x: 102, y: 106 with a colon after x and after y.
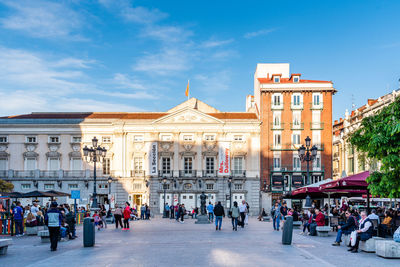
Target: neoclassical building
x: 346, y: 159
x: 182, y: 152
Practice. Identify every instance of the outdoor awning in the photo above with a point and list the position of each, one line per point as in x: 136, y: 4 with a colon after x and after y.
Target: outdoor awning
x: 58, y: 193
x: 312, y: 188
x: 357, y: 181
x: 38, y: 194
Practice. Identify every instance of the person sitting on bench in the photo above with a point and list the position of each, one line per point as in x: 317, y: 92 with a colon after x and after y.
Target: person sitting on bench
x: 364, y: 231
x: 346, y: 228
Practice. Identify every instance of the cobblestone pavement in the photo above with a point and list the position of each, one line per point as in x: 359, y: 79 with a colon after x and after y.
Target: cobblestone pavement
x: 164, y: 242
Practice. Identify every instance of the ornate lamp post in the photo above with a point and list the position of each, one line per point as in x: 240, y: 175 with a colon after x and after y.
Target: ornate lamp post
x: 165, y: 189
x: 230, y: 191
x: 307, y: 154
x: 94, y: 154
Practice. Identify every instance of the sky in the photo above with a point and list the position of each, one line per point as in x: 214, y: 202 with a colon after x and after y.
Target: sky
x: 138, y: 55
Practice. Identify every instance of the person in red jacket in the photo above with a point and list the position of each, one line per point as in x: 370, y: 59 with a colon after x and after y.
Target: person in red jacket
x: 127, y: 215
x: 320, y: 218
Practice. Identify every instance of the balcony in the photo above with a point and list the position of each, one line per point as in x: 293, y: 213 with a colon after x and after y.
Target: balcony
x: 297, y: 126
x: 280, y: 126
x: 187, y: 173
x: 296, y: 106
x: 60, y: 174
x: 165, y: 173
x: 50, y: 174
x: 316, y: 125
x: 238, y: 173
x: 290, y: 169
x: 317, y: 106
x: 76, y: 174
x: 137, y: 173
x: 277, y: 106
x: 210, y: 173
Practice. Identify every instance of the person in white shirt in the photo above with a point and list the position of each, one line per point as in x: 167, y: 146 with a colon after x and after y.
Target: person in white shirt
x: 364, y: 232
x: 34, y: 208
x: 373, y: 216
x: 243, y: 210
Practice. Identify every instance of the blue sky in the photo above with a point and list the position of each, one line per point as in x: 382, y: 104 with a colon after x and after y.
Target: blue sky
x: 121, y: 55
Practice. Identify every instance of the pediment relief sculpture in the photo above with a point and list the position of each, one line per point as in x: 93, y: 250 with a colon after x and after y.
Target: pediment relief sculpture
x: 188, y: 145
x: 166, y: 146
x: 210, y: 145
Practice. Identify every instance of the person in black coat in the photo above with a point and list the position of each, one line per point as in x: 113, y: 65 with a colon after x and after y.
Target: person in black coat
x: 219, y: 212
x: 346, y: 228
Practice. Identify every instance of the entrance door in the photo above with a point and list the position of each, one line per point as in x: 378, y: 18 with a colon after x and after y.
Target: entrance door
x: 168, y: 199
x: 137, y: 200
x: 188, y: 200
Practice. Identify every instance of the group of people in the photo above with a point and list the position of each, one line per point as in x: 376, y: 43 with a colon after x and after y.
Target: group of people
x: 237, y: 213
x: 280, y: 211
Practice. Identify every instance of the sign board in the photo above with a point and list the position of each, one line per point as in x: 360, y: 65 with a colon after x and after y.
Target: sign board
x: 297, y: 181
x: 277, y: 181
x: 224, y: 159
x: 153, y: 158
x: 75, y: 194
x: 175, y: 199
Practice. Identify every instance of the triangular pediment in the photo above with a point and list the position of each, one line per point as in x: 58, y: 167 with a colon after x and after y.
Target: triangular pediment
x: 187, y: 115
x: 194, y: 103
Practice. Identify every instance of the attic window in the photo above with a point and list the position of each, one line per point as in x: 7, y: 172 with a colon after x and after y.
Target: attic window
x: 296, y: 79
x: 277, y: 79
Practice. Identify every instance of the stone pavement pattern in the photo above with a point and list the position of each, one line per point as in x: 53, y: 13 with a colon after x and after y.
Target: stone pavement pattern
x: 164, y: 242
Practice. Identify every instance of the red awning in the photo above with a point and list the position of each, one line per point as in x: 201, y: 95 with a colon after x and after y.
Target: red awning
x: 357, y: 181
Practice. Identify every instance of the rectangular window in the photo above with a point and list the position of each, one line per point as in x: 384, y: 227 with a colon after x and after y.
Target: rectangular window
x: 296, y: 118
x: 48, y: 186
x: 73, y: 186
x: 3, y: 139
x: 316, y: 99
x: 295, y: 79
x: 277, y: 119
x: 276, y: 79
x: 238, y: 165
x: 25, y: 186
x: 277, y: 162
x: 351, y: 165
x: 277, y: 139
x: 103, y: 186
x: 317, y: 162
x: 296, y: 100
x: 238, y: 137
x: 138, y: 138
x: 30, y: 164
x: 210, y: 186
x: 166, y: 137
x: 166, y: 165
x: 238, y: 187
x: 106, y: 139
x: 296, y: 139
x: 188, y: 162
x: 210, y: 165
x: 54, y: 139
x: 277, y: 100
x: 188, y: 138
x: 316, y: 116
x: 316, y: 138
x: 76, y: 139
x: 351, y: 150
x: 31, y: 139
x: 138, y: 164
x: 107, y: 166
x: 209, y: 137
x: 296, y: 163
x: 3, y: 164
x: 76, y: 164
x: 54, y: 164
x: 137, y: 186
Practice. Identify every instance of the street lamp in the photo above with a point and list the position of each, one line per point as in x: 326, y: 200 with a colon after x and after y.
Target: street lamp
x: 307, y: 154
x: 109, y: 188
x: 165, y: 189
x: 94, y: 154
x: 230, y: 191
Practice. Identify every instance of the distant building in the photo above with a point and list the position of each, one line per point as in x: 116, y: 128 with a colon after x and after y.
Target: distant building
x: 185, y: 145
x: 346, y: 159
x: 290, y: 109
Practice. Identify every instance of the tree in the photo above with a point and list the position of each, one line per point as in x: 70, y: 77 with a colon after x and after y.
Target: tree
x: 379, y: 138
x: 6, y: 186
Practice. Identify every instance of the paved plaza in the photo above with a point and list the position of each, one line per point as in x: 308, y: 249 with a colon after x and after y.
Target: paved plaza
x: 164, y: 242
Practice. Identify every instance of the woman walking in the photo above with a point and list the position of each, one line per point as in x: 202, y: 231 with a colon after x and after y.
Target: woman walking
x: 235, y: 213
x: 127, y: 216
x: 118, y: 216
x: 103, y: 214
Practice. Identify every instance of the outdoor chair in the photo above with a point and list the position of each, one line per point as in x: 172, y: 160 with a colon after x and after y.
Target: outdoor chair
x: 334, y: 223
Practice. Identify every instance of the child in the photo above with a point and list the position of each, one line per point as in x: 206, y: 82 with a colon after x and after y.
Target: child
x: 97, y: 220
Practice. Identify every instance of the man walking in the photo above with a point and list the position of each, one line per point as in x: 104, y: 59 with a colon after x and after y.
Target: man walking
x: 166, y: 210
x: 210, y: 210
x: 18, y: 213
x: 219, y: 213
x: 53, y: 220
x: 243, y: 211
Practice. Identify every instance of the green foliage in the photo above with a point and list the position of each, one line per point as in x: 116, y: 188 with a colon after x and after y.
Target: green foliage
x: 378, y: 138
x: 6, y: 186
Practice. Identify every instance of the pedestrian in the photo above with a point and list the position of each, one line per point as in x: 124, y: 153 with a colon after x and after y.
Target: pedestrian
x: 18, y: 213
x: 166, y: 210
x: 118, y: 216
x: 34, y: 208
x: 97, y: 220
x: 243, y: 210
x: 103, y: 214
x: 142, y: 212
x: 276, y: 215
x: 53, y: 221
x: 172, y: 209
x: 182, y: 213
x: 127, y: 215
x: 70, y: 219
x: 210, y: 209
x: 147, y: 212
x: 219, y: 213
x: 177, y: 210
x: 246, y: 219
x: 235, y: 215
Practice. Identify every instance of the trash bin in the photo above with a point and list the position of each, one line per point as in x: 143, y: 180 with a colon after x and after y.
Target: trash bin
x: 287, y: 231
x: 88, y: 232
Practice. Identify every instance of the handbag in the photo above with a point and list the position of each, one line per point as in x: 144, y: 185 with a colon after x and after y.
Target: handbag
x: 353, y: 238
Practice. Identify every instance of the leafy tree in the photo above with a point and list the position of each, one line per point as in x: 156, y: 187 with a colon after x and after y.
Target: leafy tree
x: 379, y: 139
x: 6, y: 186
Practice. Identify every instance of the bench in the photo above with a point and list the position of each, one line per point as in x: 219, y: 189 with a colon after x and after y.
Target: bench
x: 31, y: 230
x: 4, y: 243
x: 266, y: 218
x: 370, y: 244
x: 346, y: 240
x: 387, y: 249
x: 44, y: 235
x: 323, y: 230
x: 297, y: 224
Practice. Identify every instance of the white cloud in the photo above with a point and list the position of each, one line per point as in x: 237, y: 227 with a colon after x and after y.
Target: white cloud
x: 216, y: 43
x: 250, y: 35
x: 123, y: 81
x: 135, y: 95
x: 166, y: 34
x: 215, y: 82
x: 43, y: 19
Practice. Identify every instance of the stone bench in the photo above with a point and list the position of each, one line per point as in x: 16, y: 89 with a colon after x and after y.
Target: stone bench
x: 387, y: 249
x: 44, y: 235
x: 266, y: 218
x: 370, y: 244
x: 32, y: 230
x: 4, y: 243
x: 323, y: 230
x: 297, y: 224
x: 346, y: 239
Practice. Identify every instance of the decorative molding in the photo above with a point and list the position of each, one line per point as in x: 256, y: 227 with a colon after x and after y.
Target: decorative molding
x: 188, y: 154
x: 30, y: 154
x: 166, y: 154
x: 188, y: 145
x: 53, y: 154
x: 75, y: 154
x: 210, y: 145
x: 4, y: 155
x: 166, y: 145
x: 209, y: 154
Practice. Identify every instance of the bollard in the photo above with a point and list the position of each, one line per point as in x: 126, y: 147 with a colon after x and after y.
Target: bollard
x: 287, y: 231
x: 88, y: 232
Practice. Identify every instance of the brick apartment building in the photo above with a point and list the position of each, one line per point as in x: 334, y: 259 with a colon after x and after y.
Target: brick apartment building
x: 290, y: 109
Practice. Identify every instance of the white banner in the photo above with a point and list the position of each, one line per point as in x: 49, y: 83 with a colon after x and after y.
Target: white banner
x: 224, y: 156
x: 153, y: 159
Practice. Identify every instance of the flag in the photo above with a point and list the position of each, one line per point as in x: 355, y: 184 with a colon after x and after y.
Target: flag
x: 187, y: 90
